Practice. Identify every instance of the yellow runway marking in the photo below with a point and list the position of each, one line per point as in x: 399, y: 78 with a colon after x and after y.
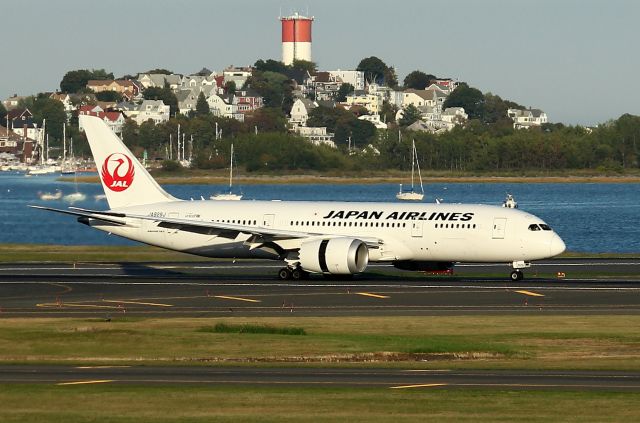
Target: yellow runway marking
x: 368, y: 294
x: 529, y: 293
x: 103, y: 367
x: 84, y: 382
x: 225, y: 297
x: 425, y: 385
x: 138, y: 302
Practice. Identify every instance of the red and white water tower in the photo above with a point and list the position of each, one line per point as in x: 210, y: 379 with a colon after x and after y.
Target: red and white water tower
x: 296, y: 38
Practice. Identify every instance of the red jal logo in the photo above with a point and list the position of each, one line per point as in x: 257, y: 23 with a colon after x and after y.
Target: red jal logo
x: 114, y: 175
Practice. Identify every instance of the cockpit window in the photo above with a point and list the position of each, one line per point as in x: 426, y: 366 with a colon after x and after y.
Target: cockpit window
x: 534, y: 227
x: 545, y: 227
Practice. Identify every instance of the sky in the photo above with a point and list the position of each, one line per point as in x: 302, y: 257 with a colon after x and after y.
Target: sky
x: 575, y: 59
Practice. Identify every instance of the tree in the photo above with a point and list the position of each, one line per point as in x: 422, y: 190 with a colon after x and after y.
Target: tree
x: 45, y: 108
x: 230, y: 87
x: 74, y: 81
x: 343, y: 91
x: 375, y: 70
x: 110, y: 96
x: 202, y: 107
x: 418, y: 80
x: 410, y: 114
x: 390, y: 77
x: 204, y: 72
x: 160, y: 71
x: 3, y: 112
x: 270, y: 65
x: 267, y: 119
x: 471, y: 99
x: 275, y: 88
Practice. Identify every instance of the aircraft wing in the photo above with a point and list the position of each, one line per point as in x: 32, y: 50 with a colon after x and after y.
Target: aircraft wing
x: 228, y: 230
x: 109, y: 217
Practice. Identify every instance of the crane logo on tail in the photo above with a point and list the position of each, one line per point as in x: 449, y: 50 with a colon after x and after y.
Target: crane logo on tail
x: 117, y: 172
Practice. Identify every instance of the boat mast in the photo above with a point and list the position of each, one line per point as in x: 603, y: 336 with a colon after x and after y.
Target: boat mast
x: 231, y: 170
x: 418, y: 166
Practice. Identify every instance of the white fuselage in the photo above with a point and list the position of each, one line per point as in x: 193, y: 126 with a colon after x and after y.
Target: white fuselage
x: 415, y: 232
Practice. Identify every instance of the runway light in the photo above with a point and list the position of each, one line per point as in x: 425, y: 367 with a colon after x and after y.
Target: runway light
x: 561, y: 275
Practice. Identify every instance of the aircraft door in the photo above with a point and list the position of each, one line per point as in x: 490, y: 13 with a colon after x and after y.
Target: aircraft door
x: 416, y: 228
x: 267, y: 220
x: 499, y: 227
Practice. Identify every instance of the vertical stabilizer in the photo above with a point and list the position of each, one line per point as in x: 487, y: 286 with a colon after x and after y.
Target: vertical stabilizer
x: 124, y: 180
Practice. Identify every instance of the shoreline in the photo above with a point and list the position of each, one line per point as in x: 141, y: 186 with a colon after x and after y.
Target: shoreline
x: 316, y: 179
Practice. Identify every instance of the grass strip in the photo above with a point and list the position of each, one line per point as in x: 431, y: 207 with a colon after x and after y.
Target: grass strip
x: 253, y: 329
x: 597, y: 342
x: 160, y: 404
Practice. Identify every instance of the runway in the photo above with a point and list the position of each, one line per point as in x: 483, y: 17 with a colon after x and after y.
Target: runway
x: 65, y: 376
x: 249, y: 288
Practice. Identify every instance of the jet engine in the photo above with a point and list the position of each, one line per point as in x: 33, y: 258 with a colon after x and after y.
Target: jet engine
x: 337, y: 256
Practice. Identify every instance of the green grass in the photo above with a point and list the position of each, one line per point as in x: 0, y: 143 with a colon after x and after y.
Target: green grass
x: 252, y: 329
x: 131, y: 403
x: 514, y: 341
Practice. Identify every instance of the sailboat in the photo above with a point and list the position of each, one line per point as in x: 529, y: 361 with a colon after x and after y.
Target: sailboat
x: 228, y: 195
x: 75, y: 196
x: 412, y: 195
x: 68, y: 166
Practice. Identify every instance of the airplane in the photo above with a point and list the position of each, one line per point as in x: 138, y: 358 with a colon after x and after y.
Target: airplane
x: 319, y: 237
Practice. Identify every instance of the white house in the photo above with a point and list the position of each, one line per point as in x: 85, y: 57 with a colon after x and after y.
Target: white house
x: 419, y: 98
x: 527, y: 118
x: 375, y: 120
x: 353, y: 77
x: 300, y: 111
x: 316, y: 135
x: 155, y: 110
x: 159, y: 80
x: 238, y: 75
x: 222, y: 107
x: 371, y: 102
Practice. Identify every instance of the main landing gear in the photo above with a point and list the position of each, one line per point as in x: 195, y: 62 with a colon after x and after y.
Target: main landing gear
x: 295, y: 273
x: 517, y: 275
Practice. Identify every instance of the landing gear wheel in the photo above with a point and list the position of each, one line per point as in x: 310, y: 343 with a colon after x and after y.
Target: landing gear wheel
x: 284, y: 274
x: 516, y: 275
x: 298, y: 274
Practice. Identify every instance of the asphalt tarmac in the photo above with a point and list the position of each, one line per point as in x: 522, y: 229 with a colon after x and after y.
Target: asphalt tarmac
x: 372, y: 378
x: 250, y: 288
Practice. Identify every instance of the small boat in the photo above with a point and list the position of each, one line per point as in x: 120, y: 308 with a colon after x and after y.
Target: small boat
x: 99, y: 197
x: 74, y: 197
x: 412, y: 195
x: 47, y: 196
x: 510, y: 202
x: 228, y: 196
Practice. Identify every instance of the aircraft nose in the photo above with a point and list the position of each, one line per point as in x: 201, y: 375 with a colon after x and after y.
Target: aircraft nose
x: 556, y: 246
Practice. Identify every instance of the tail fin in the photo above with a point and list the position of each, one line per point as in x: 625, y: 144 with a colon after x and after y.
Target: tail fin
x: 125, y: 181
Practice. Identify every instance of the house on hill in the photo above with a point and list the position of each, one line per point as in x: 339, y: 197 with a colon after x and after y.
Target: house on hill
x: 526, y: 118
x: 114, y: 119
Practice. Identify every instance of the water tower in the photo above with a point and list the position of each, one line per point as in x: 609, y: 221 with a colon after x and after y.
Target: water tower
x: 296, y: 38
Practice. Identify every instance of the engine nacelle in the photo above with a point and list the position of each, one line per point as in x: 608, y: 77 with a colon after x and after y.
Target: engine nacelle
x: 425, y: 266
x: 337, y: 256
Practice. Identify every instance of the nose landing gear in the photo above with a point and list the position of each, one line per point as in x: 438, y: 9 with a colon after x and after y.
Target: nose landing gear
x: 517, y: 275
